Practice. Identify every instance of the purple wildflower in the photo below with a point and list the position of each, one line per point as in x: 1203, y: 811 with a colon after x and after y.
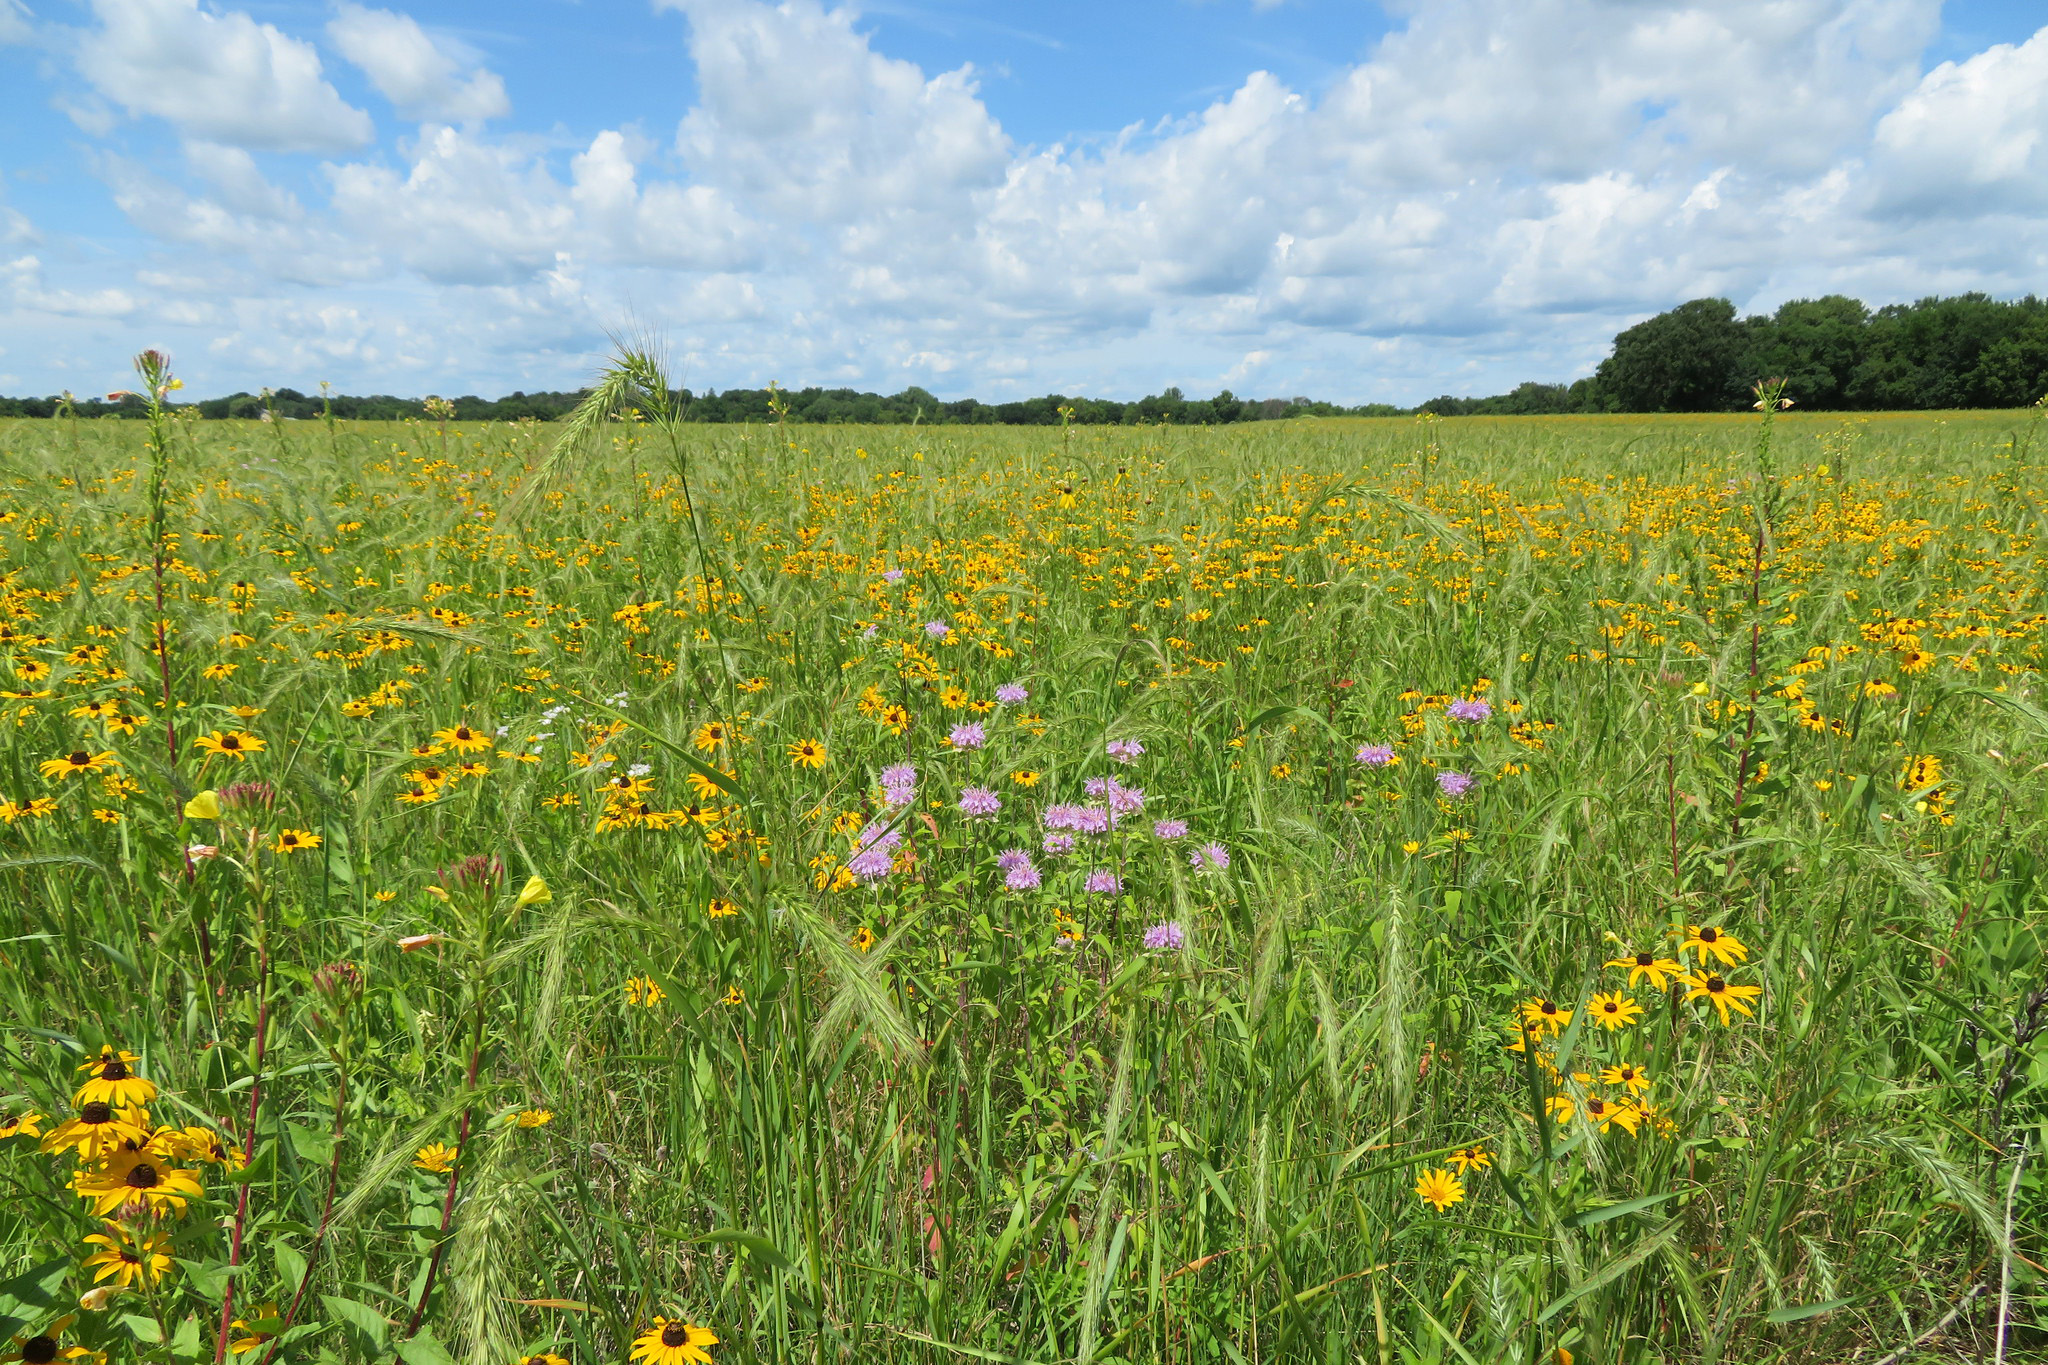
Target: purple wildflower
x: 979, y: 801
x: 1453, y: 783
x: 892, y: 575
x: 1210, y: 857
x: 871, y: 632
x: 876, y: 854
x: 1012, y: 858
x: 900, y: 775
x: 1012, y: 694
x: 1022, y: 877
x: 1061, y: 815
x: 936, y: 629
x: 1170, y: 829
x: 1375, y: 755
x: 970, y: 736
x: 1125, y: 800
x: 1125, y: 750
x: 1092, y: 820
x: 1468, y: 708
x: 1169, y: 936
x: 1103, y: 882
x: 1058, y: 845
x: 895, y: 798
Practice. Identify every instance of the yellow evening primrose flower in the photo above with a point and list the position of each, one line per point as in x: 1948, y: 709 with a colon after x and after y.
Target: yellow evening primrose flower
x: 535, y: 892
x: 1439, y: 1189
x: 205, y: 806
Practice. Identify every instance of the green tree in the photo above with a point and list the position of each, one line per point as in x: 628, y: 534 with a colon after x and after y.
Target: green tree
x: 1686, y: 360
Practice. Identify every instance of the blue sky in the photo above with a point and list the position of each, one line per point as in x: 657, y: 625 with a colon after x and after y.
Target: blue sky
x: 1353, y: 200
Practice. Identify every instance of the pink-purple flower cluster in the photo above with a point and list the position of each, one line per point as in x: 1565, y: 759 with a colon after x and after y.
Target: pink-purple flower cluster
x: 1170, y: 829
x: 1012, y: 694
x: 1453, y: 783
x: 1019, y: 873
x: 1210, y: 857
x: 1375, y: 755
x: 875, y: 852
x: 1125, y: 750
x: 1103, y: 882
x: 1167, y: 937
x: 1469, y: 709
x: 899, y: 785
x: 970, y: 736
x: 979, y: 802
x: 936, y: 629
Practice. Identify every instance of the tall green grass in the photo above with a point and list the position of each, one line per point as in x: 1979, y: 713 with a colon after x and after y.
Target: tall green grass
x: 976, y: 1139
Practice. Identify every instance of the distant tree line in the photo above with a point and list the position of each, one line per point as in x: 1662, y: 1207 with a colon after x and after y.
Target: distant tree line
x: 1970, y: 351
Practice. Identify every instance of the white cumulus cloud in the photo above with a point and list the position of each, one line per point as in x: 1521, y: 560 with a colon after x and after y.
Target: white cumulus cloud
x: 422, y: 78
x: 220, y: 76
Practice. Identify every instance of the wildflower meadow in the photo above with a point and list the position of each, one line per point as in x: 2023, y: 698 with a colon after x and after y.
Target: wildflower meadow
x: 1534, y: 891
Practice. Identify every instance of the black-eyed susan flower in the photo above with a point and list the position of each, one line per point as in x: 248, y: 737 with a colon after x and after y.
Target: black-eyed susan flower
x: 75, y: 763
x: 531, y: 1118
x: 142, y: 1176
x: 710, y: 736
x: 98, y: 1129
x: 1025, y: 777
x: 1607, y: 1113
x: 124, y: 1261
x: 463, y: 739
x: 644, y: 991
x: 295, y: 841
x: 256, y: 1330
x: 733, y: 996
x: 1613, y: 1011
x: 807, y: 753
x: 112, y: 1080
x: 1720, y: 993
x: 1658, y: 971
x: 863, y: 939
x: 1473, y: 1158
x: 544, y: 1358
x: 28, y: 1123
x: 235, y: 744
x: 437, y: 1158
x: 1561, y: 1108
x: 1544, y: 1013
x: 1718, y: 944
x: 674, y: 1342
x: 1627, y: 1075
x: 45, y: 1346
x: 1439, y: 1189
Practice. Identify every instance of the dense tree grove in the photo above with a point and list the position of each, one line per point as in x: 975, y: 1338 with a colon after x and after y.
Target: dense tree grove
x: 1970, y: 351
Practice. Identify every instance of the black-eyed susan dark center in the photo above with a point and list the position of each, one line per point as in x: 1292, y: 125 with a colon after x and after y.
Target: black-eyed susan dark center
x: 81, y: 759
x: 1646, y: 959
x: 676, y: 1334
x: 230, y: 743
x: 1610, y: 1007
x: 1548, y: 1006
x: 96, y: 1113
x: 143, y: 1176
x: 1710, y: 935
x: 1715, y: 985
x: 39, y: 1350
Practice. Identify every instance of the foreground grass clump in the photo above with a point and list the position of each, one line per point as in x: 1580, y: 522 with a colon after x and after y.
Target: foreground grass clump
x: 1520, y: 891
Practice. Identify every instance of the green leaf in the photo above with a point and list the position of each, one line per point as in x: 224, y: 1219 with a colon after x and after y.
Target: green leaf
x: 1586, y: 1218
x: 1801, y: 1312
x: 142, y: 1329
x: 291, y: 1266
x: 32, y: 1292
x: 758, y: 1245
x: 186, y: 1341
x: 424, y: 1349
x: 369, y: 1327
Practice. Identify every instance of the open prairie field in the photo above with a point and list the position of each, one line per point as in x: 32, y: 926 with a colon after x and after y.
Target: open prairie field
x: 1516, y: 891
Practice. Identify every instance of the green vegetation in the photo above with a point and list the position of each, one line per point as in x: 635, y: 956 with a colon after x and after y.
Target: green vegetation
x: 526, y: 939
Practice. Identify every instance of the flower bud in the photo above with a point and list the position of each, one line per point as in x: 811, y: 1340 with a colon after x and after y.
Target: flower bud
x: 535, y: 893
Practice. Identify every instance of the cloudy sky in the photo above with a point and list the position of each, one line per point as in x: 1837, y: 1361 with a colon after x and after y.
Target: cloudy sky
x: 1330, y: 197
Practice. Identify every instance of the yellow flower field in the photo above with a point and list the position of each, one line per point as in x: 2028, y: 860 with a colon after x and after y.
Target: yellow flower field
x: 1338, y: 890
